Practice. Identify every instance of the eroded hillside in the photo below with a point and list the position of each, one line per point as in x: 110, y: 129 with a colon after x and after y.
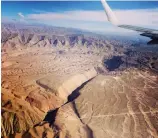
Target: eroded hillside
x: 64, y: 83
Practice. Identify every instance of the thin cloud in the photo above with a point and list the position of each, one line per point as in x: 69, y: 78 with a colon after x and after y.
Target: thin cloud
x: 147, y: 17
x: 21, y: 15
x: 38, y: 11
x: 22, y: 18
x: 94, y: 20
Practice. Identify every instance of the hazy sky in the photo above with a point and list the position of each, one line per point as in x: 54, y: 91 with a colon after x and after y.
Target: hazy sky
x: 82, y: 14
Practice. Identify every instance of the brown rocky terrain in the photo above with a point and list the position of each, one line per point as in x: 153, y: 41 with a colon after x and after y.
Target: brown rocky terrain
x: 60, y: 83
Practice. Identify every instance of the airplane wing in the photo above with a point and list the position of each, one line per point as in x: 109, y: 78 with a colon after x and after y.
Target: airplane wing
x: 152, y: 33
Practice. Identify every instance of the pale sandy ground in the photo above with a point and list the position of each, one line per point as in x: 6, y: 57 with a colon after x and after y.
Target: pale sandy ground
x: 124, y: 106
x: 37, y: 80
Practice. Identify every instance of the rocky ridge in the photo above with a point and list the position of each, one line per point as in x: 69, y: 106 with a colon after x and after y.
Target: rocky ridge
x: 57, y: 85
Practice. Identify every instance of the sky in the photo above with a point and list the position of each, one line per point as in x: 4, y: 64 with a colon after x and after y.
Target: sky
x: 86, y: 15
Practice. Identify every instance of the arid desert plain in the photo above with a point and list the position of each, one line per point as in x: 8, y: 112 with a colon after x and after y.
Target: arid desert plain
x: 66, y: 83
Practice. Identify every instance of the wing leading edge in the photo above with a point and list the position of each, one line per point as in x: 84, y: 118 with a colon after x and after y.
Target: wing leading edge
x: 152, y: 33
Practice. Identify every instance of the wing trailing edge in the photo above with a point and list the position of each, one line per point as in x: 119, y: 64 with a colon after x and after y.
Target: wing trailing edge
x: 151, y: 33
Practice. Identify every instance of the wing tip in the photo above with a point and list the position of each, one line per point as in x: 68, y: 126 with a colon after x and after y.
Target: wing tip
x: 110, y: 15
